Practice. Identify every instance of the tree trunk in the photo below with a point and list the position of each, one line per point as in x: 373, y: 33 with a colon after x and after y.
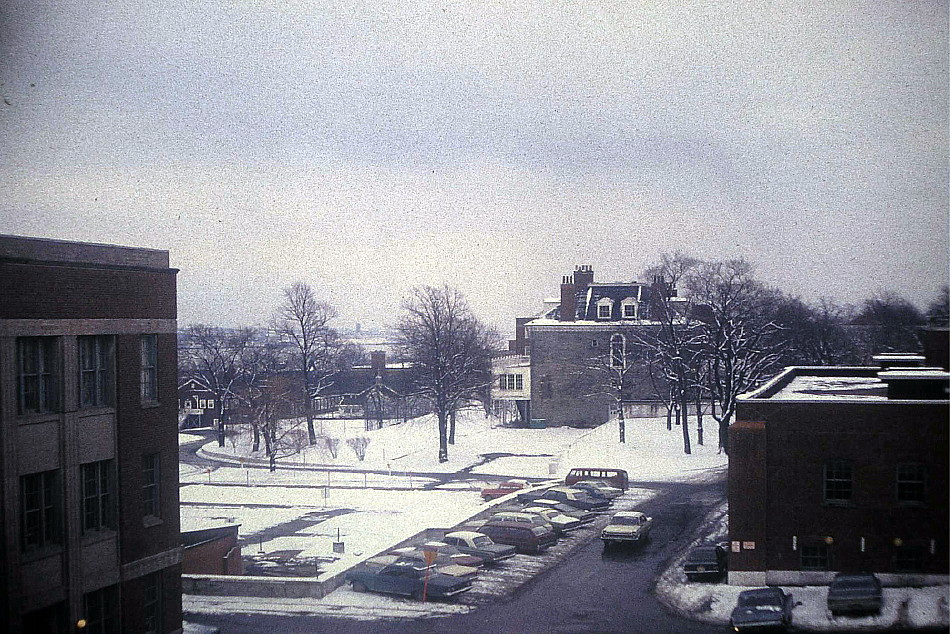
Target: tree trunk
x: 308, y: 408
x: 623, y: 426
x: 220, y: 427
x: 443, y: 445
x: 699, y: 422
x: 669, y: 418
x: 685, y: 421
x: 452, y: 427
x: 724, y: 435
x: 257, y: 437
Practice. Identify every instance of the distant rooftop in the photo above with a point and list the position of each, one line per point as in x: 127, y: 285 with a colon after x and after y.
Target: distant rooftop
x: 47, y: 250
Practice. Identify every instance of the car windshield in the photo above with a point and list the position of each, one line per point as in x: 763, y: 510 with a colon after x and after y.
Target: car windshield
x: 703, y: 554
x: 852, y: 583
x: 482, y: 541
x: 766, y: 601
x: 627, y: 521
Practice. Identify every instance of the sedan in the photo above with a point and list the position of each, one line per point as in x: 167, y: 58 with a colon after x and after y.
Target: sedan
x: 632, y: 527
x: 761, y: 609
x: 598, y: 488
x: 509, y: 486
x: 855, y: 593
x: 705, y: 561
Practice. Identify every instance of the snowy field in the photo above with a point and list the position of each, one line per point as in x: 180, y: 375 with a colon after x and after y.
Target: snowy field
x: 294, y: 513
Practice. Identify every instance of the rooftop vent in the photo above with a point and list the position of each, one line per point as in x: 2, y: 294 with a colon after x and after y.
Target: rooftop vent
x: 902, y: 359
x: 916, y: 383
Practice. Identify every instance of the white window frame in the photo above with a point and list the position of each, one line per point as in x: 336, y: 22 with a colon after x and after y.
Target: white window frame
x: 605, y: 302
x: 628, y: 303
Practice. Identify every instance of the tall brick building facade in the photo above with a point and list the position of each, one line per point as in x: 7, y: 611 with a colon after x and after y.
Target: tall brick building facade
x: 88, y: 438
x: 841, y: 469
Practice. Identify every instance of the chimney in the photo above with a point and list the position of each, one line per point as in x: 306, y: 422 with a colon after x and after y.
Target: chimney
x: 568, y: 299
x: 377, y: 361
x: 583, y: 277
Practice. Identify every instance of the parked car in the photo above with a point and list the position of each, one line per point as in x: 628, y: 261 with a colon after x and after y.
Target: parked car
x: 562, y: 523
x: 855, y: 593
x: 632, y: 527
x: 615, y: 477
x: 598, y: 488
x: 580, y: 515
x: 705, y: 561
x: 760, y: 609
x: 575, y: 498
x: 479, y: 545
x: 504, y: 488
x: 531, y: 495
x: 404, y: 579
x: 442, y: 563
x: 457, y: 556
x: 520, y: 516
x: 527, y: 539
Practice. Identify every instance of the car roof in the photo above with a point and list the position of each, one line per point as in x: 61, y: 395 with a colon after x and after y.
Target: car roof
x: 761, y: 592
x: 629, y: 514
x: 465, y: 534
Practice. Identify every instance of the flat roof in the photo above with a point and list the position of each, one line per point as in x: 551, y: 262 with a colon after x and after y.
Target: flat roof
x: 841, y: 383
x: 48, y: 250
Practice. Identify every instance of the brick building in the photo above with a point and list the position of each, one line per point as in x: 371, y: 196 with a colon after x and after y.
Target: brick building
x: 840, y: 469
x: 88, y: 438
x: 588, y: 323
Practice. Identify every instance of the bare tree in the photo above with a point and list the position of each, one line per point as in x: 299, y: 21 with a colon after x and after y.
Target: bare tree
x: 447, y: 345
x: 815, y: 334
x: 938, y: 313
x: 212, y: 356
x: 303, y: 322
x: 890, y: 323
x: 740, y: 336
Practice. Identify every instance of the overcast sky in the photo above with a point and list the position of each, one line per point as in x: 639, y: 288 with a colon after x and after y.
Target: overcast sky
x: 366, y: 148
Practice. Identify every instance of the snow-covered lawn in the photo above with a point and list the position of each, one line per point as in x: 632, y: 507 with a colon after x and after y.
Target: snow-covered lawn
x: 372, y: 511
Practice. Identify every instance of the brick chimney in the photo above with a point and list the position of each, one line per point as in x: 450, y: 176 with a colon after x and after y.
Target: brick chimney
x: 583, y: 277
x: 568, y: 299
x: 377, y: 361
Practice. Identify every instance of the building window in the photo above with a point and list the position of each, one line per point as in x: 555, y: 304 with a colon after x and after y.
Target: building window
x: 604, y: 310
x: 153, y: 603
x: 39, y: 510
x: 911, y: 478
x: 96, y: 370
x: 593, y: 343
x: 149, y: 368
x: 815, y: 557
x: 100, y: 610
x: 37, y: 387
x: 210, y: 403
x: 838, y: 485
x: 151, y: 475
x: 511, y: 382
x: 202, y: 403
x: 618, y: 351
x: 97, y: 500
x: 629, y: 308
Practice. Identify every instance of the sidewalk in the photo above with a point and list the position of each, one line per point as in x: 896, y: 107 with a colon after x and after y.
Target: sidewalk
x: 905, y: 608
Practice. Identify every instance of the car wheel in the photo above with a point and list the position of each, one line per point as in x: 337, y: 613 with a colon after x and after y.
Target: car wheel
x: 359, y: 587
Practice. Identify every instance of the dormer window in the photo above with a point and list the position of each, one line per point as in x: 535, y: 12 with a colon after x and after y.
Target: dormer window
x: 605, y: 308
x: 628, y: 308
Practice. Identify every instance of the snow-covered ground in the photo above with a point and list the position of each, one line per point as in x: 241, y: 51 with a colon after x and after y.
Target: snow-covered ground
x: 296, y: 512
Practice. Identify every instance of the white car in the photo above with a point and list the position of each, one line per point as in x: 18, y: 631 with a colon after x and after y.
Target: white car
x: 627, y: 526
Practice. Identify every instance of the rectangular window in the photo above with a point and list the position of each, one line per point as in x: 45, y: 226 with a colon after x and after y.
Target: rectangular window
x: 149, y: 368
x: 97, y: 499
x: 629, y: 311
x: 37, y: 384
x: 603, y: 311
x: 210, y: 403
x: 815, y: 557
x: 519, y: 382
x: 153, y: 603
x: 911, y: 479
x: 100, y: 610
x: 151, y: 481
x: 202, y: 404
x: 39, y: 510
x: 838, y: 485
x: 96, y: 370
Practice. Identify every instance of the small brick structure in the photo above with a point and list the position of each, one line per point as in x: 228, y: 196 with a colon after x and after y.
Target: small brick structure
x: 212, y: 551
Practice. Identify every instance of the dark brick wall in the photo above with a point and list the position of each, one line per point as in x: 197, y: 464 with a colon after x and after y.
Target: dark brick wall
x: 875, y: 437
x: 211, y: 558
x: 58, y: 291
x: 748, y: 494
x: 133, y: 602
x: 146, y: 429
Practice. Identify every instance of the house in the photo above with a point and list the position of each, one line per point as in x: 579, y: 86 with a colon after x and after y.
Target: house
x: 196, y: 405
x: 589, y: 323
x: 511, y: 389
x: 376, y: 392
x: 842, y: 469
x: 89, y: 459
